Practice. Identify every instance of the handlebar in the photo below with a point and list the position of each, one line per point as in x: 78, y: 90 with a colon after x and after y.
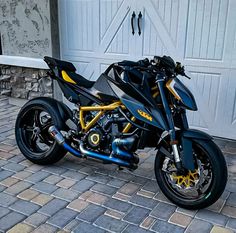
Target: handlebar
x: 141, y: 63
x: 164, y: 65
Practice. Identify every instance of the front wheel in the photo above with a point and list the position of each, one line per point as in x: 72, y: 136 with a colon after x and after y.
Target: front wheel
x: 196, y: 189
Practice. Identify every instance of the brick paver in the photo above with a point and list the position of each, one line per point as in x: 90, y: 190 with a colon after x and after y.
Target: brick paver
x: 78, y: 195
x: 21, y: 227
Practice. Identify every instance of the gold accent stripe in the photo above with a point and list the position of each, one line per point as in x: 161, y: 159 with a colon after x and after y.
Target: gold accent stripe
x: 168, y: 85
x: 66, y: 77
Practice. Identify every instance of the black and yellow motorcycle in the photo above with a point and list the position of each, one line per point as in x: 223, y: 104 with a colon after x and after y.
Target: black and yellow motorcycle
x: 131, y: 106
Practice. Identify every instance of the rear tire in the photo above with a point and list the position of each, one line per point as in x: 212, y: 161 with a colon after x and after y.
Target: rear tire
x: 217, y: 184
x: 25, y: 124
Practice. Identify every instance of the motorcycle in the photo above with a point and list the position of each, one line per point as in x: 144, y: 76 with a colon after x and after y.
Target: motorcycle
x: 131, y: 106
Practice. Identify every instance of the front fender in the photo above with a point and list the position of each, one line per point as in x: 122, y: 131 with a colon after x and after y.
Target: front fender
x: 186, y: 138
x: 196, y: 134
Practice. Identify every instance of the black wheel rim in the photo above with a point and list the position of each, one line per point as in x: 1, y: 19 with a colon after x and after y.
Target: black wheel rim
x: 33, y: 129
x: 202, y: 192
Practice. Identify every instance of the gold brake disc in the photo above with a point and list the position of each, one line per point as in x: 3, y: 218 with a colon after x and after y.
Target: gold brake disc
x: 186, y: 181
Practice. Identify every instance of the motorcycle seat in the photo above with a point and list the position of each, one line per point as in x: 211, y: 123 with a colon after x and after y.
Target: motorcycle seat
x: 62, y: 65
x: 80, y: 80
x: 70, y: 69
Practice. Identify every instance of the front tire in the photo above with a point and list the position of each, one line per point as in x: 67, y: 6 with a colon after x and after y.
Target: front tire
x: 31, y: 131
x: 183, y: 190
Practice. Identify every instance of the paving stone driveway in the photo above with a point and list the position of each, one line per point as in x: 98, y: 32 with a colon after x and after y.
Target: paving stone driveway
x: 86, y: 196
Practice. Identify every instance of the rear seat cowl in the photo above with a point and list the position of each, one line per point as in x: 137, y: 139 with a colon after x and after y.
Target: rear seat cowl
x: 63, y: 65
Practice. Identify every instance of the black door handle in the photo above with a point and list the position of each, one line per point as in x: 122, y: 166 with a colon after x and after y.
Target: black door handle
x: 132, y: 22
x: 139, y: 20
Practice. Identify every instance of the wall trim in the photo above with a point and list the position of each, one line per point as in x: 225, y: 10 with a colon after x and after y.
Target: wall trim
x: 23, y: 62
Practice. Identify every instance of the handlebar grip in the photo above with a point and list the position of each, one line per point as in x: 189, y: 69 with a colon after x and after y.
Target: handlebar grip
x: 145, y: 62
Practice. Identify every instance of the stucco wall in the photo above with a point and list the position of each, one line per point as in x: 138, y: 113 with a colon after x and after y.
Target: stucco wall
x: 25, y: 28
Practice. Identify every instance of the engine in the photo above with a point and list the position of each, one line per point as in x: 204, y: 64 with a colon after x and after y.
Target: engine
x: 99, y: 137
x: 108, y: 128
x: 106, y: 139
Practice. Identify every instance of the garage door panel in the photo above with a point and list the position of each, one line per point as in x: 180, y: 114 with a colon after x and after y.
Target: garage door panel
x: 95, y: 28
x: 152, y: 43
x: 233, y: 121
x: 80, y: 66
x: 87, y: 70
x: 164, y: 28
x: 103, y: 67
x: 230, y: 99
x: 205, y: 87
x: 108, y: 10
x: 85, y: 67
x: 78, y: 26
x: 214, y: 90
x: 206, y: 29
x: 233, y: 49
x: 120, y: 43
x: 117, y: 38
x: 196, y: 120
x: 169, y: 12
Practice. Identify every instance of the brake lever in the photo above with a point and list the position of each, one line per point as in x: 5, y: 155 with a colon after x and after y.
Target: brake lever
x: 185, y: 75
x: 180, y: 70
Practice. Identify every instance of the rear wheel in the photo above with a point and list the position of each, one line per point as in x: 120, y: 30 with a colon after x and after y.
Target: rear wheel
x: 31, y: 131
x: 199, y: 188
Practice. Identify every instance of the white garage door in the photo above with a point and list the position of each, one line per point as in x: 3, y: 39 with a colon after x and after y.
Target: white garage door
x: 199, y: 33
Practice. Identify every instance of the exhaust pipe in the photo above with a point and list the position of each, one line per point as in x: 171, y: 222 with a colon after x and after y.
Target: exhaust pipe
x: 106, y: 158
x: 56, y: 134
x: 120, y: 147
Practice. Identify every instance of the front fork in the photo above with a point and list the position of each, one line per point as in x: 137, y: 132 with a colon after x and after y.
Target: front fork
x: 173, y: 142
